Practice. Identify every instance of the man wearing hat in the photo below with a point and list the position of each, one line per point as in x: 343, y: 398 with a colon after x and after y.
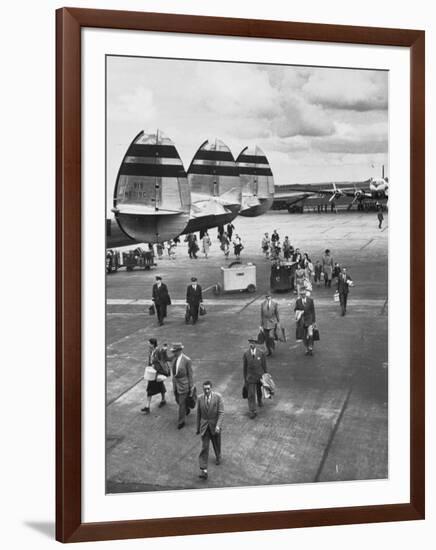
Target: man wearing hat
x: 305, y: 313
x: 193, y: 299
x: 161, y: 299
x: 183, y: 381
x: 254, y: 366
x: 269, y: 318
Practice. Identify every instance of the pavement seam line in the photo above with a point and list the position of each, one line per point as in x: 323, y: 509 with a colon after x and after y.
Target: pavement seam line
x: 332, y: 435
x: 112, y: 401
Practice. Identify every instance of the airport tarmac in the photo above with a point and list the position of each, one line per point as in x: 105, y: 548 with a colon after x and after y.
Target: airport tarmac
x: 329, y: 418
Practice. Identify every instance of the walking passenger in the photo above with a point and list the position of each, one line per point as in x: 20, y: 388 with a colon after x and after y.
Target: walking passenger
x: 157, y: 358
x: 194, y: 298
x: 269, y: 318
x: 327, y: 267
x: 305, y: 316
x: 237, y: 245
x: 210, y: 413
x: 183, y: 381
x: 344, y: 283
x: 161, y: 299
x: 254, y: 366
x: 206, y: 244
x: 265, y: 245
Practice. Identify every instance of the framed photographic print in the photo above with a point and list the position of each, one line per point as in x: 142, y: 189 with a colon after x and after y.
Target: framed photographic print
x: 240, y: 289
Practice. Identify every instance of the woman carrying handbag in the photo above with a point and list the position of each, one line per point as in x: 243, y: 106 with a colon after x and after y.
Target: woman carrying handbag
x: 158, y: 359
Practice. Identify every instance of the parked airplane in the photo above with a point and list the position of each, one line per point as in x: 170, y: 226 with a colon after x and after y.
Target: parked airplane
x: 256, y: 180
x: 349, y: 193
x: 155, y: 200
x: 213, y: 177
x: 151, y: 197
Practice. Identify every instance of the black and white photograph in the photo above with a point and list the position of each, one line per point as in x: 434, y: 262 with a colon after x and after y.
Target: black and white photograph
x: 247, y: 245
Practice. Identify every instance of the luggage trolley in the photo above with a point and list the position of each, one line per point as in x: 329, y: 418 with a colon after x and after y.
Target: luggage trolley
x: 237, y: 277
x: 282, y: 276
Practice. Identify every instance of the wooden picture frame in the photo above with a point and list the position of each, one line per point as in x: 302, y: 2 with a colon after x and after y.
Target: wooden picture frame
x: 69, y: 526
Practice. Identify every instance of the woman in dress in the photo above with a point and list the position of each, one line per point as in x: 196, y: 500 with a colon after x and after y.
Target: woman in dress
x: 300, y: 276
x: 157, y: 358
x: 206, y: 244
x: 265, y: 245
x: 237, y: 244
x: 308, y: 267
x: 327, y: 267
x: 225, y: 244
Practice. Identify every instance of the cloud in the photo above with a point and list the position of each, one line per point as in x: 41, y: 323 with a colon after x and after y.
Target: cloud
x: 137, y: 104
x: 299, y: 118
x: 304, y: 118
x: 348, y: 89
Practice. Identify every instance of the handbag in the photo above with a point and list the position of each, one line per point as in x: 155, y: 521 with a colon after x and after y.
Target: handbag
x: 244, y: 392
x: 187, y: 314
x: 150, y: 374
x: 336, y: 296
x: 191, y: 400
x: 261, y: 336
x: 152, y: 310
x: 203, y: 309
x: 315, y: 334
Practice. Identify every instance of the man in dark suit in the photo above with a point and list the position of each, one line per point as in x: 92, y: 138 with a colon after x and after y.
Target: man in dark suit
x: 305, y: 316
x: 193, y: 299
x: 254, y: 366
x: 183, y: 381
x: 344, y: 283
x: 161, y: 299
x: 210, y: 412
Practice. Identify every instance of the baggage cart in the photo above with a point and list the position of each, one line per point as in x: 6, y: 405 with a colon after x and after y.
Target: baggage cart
x: 237, y: 277
x: 282, y: 276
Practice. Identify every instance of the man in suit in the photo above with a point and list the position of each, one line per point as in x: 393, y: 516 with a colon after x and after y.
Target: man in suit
x: 193, y: 299
x: 269, y: 317
x: 254, y: 366
x: 305, y: 314
x: 210, y: 412
x: 161, y: 299
x: 183, y: 381
x: 344, y: 283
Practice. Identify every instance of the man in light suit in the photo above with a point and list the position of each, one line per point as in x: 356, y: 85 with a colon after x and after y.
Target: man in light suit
x: 193, y: 299
x: 269, y: 317
x: 183, y: 381
x: 344, y: 283
x: 161, y: 299
x: 254, y: 366
x: 305, y: 311
x: 210, y: 412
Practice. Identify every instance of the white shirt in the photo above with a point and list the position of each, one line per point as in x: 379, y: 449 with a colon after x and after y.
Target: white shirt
x: 179, y: 358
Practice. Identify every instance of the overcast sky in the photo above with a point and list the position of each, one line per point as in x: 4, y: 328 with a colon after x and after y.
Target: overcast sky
x: 314, y: 124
